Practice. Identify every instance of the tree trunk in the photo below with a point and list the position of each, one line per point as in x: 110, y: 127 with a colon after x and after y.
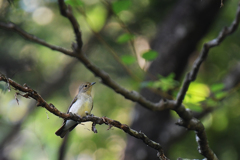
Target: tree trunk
x: 175, y: 41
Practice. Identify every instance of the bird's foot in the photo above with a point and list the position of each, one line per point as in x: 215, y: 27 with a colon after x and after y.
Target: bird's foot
x: 76, y: 115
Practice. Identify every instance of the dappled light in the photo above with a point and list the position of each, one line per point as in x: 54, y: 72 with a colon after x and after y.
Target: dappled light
x: 166, y: 73
x: 42, y: 15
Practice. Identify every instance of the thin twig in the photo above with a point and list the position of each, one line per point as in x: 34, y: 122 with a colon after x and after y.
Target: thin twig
x: 96, y: 120
x: 109, y: 48
x: 191, y: 76
x: 67, y: 12
x: 187, y: 120
x: 12, y: 26
x: 122, y: 24
x: 131, y: 95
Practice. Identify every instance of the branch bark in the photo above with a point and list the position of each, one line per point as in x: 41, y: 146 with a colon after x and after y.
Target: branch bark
x: 187, y: 120
x: 30, y: 37
x: 66, y: 11
x: 192, y: 75
x: 131, y: 95
x: 30, y: 93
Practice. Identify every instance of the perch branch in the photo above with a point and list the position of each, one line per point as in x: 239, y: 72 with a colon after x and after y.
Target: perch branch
x: 187, y: 120
x: 131, y: 95
x: 30, y: 93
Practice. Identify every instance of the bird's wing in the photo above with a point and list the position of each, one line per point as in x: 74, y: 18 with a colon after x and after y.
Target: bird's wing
x: 74, y: 100
x: 92, y: 106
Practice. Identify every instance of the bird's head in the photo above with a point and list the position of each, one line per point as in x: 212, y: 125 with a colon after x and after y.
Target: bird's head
x: 86, y: 87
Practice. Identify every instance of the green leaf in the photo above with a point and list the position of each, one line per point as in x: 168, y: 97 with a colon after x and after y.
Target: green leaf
x: 74, y: 3
x: 217, y: 87
x: 211, y: 103
x: 128, y: 59
x: 125, y: 38
x: 221, y: 95
x: 121, y: 5
x: 150, y: 55
x: 96, y: 17
x: 171, y: 76
x: 165, y: 83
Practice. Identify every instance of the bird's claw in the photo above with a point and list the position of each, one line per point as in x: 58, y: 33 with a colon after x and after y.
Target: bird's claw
x: 76, y: 115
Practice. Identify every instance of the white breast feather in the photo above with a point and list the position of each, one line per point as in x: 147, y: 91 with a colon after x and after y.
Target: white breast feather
x: 79, y: 107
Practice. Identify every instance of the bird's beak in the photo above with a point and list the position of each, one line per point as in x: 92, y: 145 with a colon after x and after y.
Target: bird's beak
x: 93, y: 83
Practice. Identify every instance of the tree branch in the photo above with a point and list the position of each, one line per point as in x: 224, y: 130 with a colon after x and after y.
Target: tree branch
x: 131, y: 95
x: 192, y: 75
x: 109, y: 48
x: 30, y: 93
x: 67, y: 12
x: 13, y: 27
x: 187, y: 120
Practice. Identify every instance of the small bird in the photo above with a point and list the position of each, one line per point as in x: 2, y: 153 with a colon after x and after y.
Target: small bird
x: 81, y: 105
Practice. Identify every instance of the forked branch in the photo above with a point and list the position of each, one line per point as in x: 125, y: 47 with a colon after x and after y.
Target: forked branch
x: 30, y: 93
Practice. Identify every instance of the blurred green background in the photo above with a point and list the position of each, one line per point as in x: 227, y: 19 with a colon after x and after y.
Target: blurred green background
x: 56, y: 77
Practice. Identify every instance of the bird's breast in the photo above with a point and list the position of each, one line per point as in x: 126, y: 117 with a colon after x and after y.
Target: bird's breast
x: 81, y: 105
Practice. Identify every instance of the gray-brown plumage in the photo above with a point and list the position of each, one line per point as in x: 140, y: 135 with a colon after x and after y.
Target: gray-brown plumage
x: 81, y: 104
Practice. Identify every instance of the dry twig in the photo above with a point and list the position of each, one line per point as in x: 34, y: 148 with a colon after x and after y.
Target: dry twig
x: 96, y: 120
x: 187, y: 120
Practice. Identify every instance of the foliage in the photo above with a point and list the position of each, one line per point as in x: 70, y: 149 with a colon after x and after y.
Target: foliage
x: 128, y: 59
x: 150, y: 55
x: 74, y: 3
x: 121, y: 5
x: 125, y: 38
x: 39, y: 66
x: 164, y: 83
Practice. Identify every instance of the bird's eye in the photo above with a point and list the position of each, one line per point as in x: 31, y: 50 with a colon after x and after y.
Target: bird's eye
x: 85, y: 86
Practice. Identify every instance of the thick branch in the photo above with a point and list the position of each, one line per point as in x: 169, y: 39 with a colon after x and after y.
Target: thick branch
x: 30, y: 93
x: 201, y: 137
x: 131, y: 95
x: 187, y: 119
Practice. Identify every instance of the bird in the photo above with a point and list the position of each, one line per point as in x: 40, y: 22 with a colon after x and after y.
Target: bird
x: 81, y: 105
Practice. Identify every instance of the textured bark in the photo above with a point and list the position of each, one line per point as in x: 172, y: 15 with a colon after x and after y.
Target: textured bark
x: 175, y: 41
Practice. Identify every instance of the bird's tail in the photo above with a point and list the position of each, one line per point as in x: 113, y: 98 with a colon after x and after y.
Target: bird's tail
x: 62, y: 131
